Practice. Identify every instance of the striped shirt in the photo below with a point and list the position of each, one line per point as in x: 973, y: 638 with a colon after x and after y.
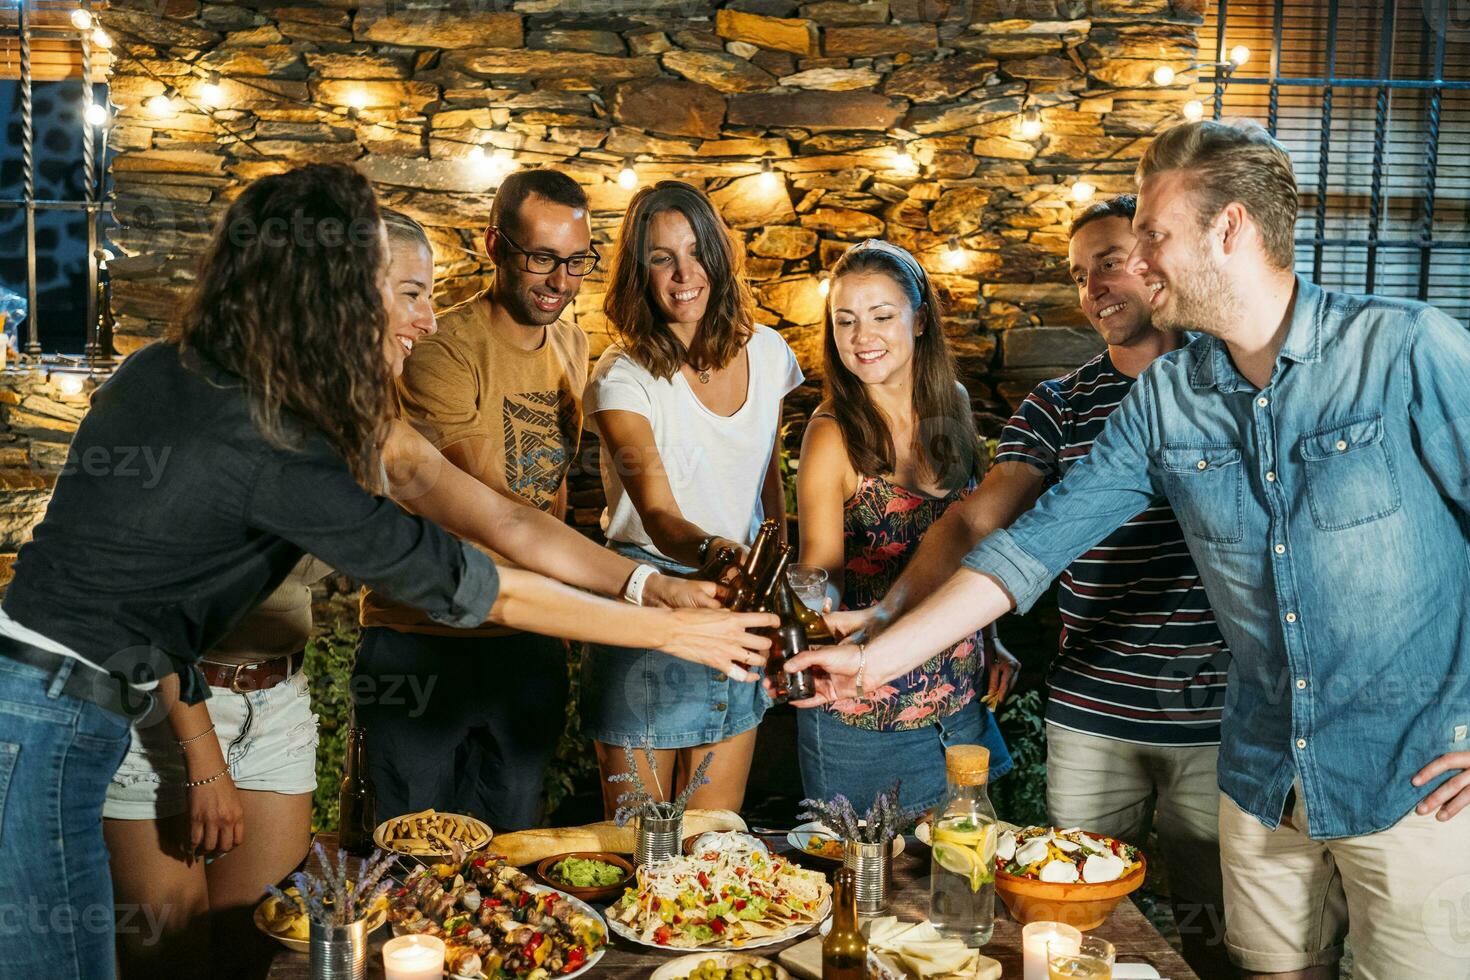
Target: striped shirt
x: 1141, y: 658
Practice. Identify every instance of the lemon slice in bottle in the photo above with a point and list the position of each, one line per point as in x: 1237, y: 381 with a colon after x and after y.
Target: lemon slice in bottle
x: 959, y: 860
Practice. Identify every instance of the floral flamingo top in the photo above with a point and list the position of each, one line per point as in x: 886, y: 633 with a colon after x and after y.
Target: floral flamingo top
x: 881, y: 527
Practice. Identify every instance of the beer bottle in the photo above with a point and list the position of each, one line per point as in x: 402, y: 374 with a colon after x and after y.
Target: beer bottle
x: 745, y: 591
x: 357, y: 814
x: 844, y: 950
x: 787, y: 640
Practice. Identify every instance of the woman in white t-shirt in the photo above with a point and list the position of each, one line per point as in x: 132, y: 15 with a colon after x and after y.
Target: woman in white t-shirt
x: 688, y: 408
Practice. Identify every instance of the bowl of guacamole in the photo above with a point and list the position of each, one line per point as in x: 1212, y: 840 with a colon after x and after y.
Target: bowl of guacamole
x: 589, y: 875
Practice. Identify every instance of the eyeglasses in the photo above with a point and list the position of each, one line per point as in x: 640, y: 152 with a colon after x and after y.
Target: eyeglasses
x: 545, y: 263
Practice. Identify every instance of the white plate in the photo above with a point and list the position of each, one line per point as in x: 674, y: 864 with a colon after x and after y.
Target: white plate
x: 577, y: 904
x: 684, y: 965
x: 803, y: 832
x: 1134, y: 971
x: 789, y: 933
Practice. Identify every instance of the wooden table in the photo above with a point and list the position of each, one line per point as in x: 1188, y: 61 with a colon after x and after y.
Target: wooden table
x: 1127, y: 928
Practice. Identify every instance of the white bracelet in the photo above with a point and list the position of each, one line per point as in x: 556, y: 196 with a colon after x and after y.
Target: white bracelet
x: 633, y: 591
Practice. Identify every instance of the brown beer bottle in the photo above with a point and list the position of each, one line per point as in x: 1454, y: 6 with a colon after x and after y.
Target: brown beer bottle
x: 787, y: 640
x: 745, y: 591
x: 844, y: 950
x: 357, y: 814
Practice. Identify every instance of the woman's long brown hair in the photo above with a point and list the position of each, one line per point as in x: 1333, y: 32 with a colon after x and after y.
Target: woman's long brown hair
x: 944, y: 438
x: 288, y: 299
x: 630, y: 308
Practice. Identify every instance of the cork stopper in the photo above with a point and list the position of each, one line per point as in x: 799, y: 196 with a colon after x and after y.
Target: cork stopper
x: 967, y: 765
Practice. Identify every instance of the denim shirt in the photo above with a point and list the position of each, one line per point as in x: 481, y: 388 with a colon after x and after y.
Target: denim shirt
x: 1327, y: 513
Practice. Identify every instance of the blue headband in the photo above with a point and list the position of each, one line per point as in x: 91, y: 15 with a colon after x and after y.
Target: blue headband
x: 903, y: 256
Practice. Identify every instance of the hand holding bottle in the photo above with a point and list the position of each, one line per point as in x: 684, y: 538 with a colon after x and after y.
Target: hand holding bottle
x: 718, y: 639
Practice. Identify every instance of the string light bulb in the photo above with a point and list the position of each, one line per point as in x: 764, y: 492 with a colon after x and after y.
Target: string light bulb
x: 824, y: 286
x: 954, y: 256
x: 81, y: 19
x: 1194, y: 110
x: 904, y: 162
x: 69, y: 382
x: 770, y: 182
x: 96, y: 114
x: 161, y: 105
x: 1239, y: 55
x: 1083, y: 191
x: 1163, y: 75
x: 212, y: 93
x: 1031, y: 125
x: 101, y: 38
x: 628, y: 177
x: 357, y: 99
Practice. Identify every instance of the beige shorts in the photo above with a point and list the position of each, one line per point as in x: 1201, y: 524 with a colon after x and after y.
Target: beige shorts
x: 1405, y: 891
x: 269, y: 739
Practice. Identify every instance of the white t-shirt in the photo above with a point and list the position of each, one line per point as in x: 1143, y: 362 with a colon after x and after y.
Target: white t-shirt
x: 716, y: 464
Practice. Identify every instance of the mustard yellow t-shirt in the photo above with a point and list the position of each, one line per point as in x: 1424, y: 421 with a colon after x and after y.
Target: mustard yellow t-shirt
x: 466, y: 381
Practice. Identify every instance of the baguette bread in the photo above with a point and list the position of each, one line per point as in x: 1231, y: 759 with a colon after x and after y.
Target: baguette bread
x: 524, y: 847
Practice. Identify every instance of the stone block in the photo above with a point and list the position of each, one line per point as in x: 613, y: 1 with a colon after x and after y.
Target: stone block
x: 817, y: 110
x: 795, y: 35
x: 446, y: 26
x: 666, y: 105
x: 879, y: 39
x: 723, y: 72
x: 834, y: 79
x: 1048, y: 347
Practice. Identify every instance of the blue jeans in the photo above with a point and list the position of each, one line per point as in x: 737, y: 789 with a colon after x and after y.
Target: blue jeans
x: 860, y: 763
x: 57, y: 756
x: 651, y: 698
x: 465, y: 724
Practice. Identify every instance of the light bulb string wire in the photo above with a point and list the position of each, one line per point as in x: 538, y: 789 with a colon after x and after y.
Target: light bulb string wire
x: 902, y: 141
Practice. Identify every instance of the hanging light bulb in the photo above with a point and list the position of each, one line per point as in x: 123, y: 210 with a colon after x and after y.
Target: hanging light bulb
x: 628, y: 177
x: 1239, y: 55
x: 824, y: 286
x: 1194, y: 110
x: 81, y: 19
x: 1031, y: 125
x: 1083, y: 191
x: 904, y: 162
x: 96, y: 114
x: 212, y: 93
x: 357, y: 99
x: 101, y: 38
x: 954, y: 256
x: 161, y: 105
x: 770, y: 181
x: 1163, y: 75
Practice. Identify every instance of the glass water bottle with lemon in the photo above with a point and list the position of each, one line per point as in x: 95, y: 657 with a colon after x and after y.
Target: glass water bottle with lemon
x: 962, y: 888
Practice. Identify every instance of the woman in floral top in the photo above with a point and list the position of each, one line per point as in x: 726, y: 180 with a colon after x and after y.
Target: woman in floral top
x: 891, y: 447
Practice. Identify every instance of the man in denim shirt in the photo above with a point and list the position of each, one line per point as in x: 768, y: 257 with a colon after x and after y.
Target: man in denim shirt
x: 1316, y: 449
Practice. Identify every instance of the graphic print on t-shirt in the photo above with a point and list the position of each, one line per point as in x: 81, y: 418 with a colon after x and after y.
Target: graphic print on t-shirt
x: 536, y: 426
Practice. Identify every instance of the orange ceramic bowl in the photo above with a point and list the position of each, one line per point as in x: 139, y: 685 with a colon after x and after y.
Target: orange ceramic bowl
x: 1078, y: 904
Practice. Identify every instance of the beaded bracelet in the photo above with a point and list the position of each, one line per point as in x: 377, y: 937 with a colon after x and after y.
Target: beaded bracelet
x: 194, y: 738
x: 205, y: 782
x: 862, y: 666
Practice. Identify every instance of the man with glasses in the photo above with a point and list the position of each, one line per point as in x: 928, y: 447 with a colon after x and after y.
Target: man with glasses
x: 467, y: 720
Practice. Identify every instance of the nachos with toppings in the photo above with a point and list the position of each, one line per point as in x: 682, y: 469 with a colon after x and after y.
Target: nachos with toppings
x: 721, y: 898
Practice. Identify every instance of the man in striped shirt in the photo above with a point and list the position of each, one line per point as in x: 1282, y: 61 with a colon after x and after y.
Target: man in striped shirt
x: 1136, y: 691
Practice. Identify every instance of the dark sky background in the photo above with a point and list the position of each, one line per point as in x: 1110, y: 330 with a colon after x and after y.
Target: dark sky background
x: 61, y: 236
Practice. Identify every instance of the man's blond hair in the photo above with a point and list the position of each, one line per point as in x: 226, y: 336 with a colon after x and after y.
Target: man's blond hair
x: 1235, y: 161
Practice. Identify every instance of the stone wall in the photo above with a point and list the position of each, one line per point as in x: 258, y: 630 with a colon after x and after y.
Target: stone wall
x: 827, y: 92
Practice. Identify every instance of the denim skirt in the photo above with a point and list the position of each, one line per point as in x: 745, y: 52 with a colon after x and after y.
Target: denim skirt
x: 859, y: 763
x: 650, y: 698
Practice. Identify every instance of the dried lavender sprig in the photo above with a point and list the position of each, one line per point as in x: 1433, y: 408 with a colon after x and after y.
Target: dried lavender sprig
x: 697, y: 780
x: 373, y: 872
x: 287, y: 900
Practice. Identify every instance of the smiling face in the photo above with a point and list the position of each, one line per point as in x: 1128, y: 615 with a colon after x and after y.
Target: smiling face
x: 874, y: 327
x: 1114, y: 300
x: 676, y: 277
x: 1180, y: 262
x: 542, y: 226
x: 408, y: 293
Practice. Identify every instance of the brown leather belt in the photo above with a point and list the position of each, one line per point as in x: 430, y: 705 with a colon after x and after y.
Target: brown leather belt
x: 243, y: 678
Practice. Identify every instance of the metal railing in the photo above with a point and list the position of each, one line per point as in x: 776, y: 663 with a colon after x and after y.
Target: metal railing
x: 1385, y: 80
x: 91, y: 204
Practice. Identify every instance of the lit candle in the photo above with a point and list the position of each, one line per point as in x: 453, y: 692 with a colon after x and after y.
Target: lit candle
x: 413, y: 958
x: 1036, y: 936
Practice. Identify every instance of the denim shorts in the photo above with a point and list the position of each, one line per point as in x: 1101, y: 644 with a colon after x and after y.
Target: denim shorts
x: 651, y: 698
x: 839, y: 758
x: 269, y: 739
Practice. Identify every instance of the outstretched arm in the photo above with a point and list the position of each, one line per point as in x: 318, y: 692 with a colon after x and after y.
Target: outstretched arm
x: 425, y: 482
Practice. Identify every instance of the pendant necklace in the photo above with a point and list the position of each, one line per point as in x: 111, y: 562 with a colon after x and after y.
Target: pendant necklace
x: 703, y: 376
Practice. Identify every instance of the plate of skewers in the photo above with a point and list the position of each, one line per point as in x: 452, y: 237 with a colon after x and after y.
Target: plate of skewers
x: 496, y: 922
